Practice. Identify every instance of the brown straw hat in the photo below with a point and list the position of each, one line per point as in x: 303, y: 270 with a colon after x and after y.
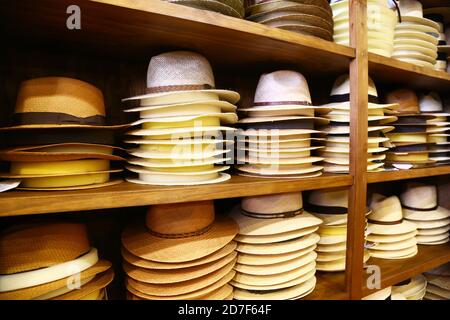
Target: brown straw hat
x: 175, y: 233
x: 31, y: 247
x: 407, y: 100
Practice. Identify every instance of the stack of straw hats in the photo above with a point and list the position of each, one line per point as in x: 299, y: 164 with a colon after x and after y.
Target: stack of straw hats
x: 276, y: 242
x: 411, y: 289
x: 183, y: 252
x: 437, y: 137
x: 438, y: 283
x: 416, y: 38
x: 331, y: 206
x: 441, y: 15
x: 381, y: 21
x: 409, y: 139
x: 337, y: 147
x: 181, y: 137
x: 51, y: 261
x: 309, y: 17
x: 232, y: 8
x: 275, y: 140
x: 420, y: 206
x: 388, y: 235
x: 59, y: 140
x: 385, y: 294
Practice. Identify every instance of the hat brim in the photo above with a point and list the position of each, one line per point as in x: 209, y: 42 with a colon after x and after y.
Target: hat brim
x: 110, y: 183
x: 413, y: 48
x: 392, y: 229
x: 265, y: 260
x: 137, y: 240
x: 336, y: 265
x: 227, y: 95
x: 395, y: 254
x: 227, y: 118
x: 280, y: 161
x: 431, y: 224
x: 279, y: 237
x: 415, y: 42
x: 180, y: 180
x: 7, y: 175
x: 390, y: 238
x: 176, y: 131
x: 191, y: 141
x: 63, y: 126
x: 398, y: 245
x: 411, y: 34
x: 332, y: 247
x: 317, y: 120
x: 346, y: 130
x: 276, y: 175
x: 433, y: 231
x: 225, y: 106
x: 182, y: 154
x: 289, y: 109
x: 278, y: 248
x: 157, y: 163
x: 423, y: 21
x: 439, y: 213
x: 432, y: 239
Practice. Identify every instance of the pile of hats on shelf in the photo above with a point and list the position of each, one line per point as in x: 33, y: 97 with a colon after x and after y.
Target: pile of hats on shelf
x: 52, y: 261
x: 441, y: 15
x: 183, y: 252
x: 276, y: 132
x: 381, y: 21
x: 411, y: 289
x: 181, y: 138
x: 276, y: 242
x: 59, y: 140
x: 421, y: 207
x: 337, y: 146
x: 307, y: 17
x: 416, y: 38
x: 388, y: 235
x: 438, y: 283
x: 232, y: 8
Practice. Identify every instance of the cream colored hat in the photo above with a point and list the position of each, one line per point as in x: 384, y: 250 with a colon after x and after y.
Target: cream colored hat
x: 329, y: 205
x: 395, y: 254
x: 420, y: 203
x: 430, y: 103
x: 412, y: 287
x: 412, y: 11
x: 382, y: 294
x: 264, y: 260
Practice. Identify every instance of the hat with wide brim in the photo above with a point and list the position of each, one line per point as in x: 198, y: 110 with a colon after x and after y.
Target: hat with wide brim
x: 421, y: 215
x: 138, y: 241
x: 296, y: 18
x: 433, y: 239
x: 189, y: 179
x: 415, y: 285
x: 414, y: 48
x: 302, y: 28
x: 411, y: 34
x: 336, y: 265
x: 227, y: 118
x: 445, y: 294
x: 148, y: 264
x: 398, y: 245
x: 330, y: 256
x: 433, y: 231
x: 417, y: 62
x: 391, y: 229
x: 155, y: 276
x: 415, y: 44
x: 390, y: 238
x: 110, y: 183
x: 170, y: 133
x: 190, y: 164
x: 279, y: 237
x: 382, y: 294
x: 277, y: 176
x: 257, y: 10
x: 291, y: 293
x: 249, y: 121
x: 263, y: 6
x: 224, y: 106
x: 179, y: 153
x: 278, y: 152
x: 343, y: 167
x: 345, y: 118
x: 333, y: 247
x: 289, y: 172
x: 264, y: 260
x: 334, y: 129
x: 278, y: 161
x: 411, y: 26
x: 63, y: 126
x: 431, y: 224
x: 250, y: 226
x: 346, y: 149
x: 193, y: 288
x: 414, y: 55
x: 8, y: 175
x: 281, y: 247
x: 421, y: 21
x: 178, y: 142
x: 394, y: 254
x: 212, y: 5
x: 332, y: 239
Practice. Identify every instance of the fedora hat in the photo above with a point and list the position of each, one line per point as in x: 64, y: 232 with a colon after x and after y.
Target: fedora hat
x: 389, y: 246
x: 336, y: 265
x: 433, y: 239
x: 175, y: 75
x: 420, y: 203
x: 411, y: 286
x: 383, y: 294
x: 175, y: 234
x: 376, y: 238
x: 279, y: 247
x: 386, y: 217
x: 407, y: 100
x: 227, y: 7
x: 59, y: 103
x: 433, y: 231
x: 412, y: 11
x: 395, y: 254
x: 432, y: 224
x: 265, y: 260
x: 333, y: 247
x: 279, y: 237
x: 270, y: 8
x: 330, y: 205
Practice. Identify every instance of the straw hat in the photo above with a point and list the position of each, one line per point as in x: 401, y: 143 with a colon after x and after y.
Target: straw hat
x: 382, y: 294
x: 411, y: 287
x: 336, y: 265
x: 389, y: 246
x: 227, y: 7
x: 57, y: 102
x: 265, y: 260
x: 395, y: 254
x: 279, y: 247
x: 412, y: 11
x: 406, y: 99
x: 279, y: 237
x: 331, y: 206
x: 175, y: 233
x: 270, y: 8
x: 178, y: 74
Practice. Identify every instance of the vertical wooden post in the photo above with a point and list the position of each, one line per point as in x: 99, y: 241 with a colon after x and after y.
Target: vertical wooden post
x: 358, y: 148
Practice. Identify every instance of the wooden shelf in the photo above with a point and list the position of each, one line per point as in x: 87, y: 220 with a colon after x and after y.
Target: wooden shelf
x: 129, y: 195
x: 373, y: 177
x: 389, y: 70
x: 330, y: 286
x: 146, y: 27
x: 396, y: 271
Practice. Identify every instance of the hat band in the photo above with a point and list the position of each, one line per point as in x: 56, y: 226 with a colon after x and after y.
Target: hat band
x: 29, y: 118
x: 346, y: 98
x: 307, y: 124
x: 410, y: 120
x: 442, y: 43
x: 183, y: 87
x: 287, y: 214
x: 325, y: 209
x: 282, y: 103
x: 181, y: 235
x: 442, y: 56
x: 411, y: 148
x: 386, y: 223
x: 409, y: 129
x: 420, y: 209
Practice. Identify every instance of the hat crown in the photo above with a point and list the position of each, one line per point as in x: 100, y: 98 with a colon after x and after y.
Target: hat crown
x: 283, y: 85
x: 342, y: 86
x: 274, y: 203
x: 430, y: 102
x: 60, y: 95
x: 179, y: 68
x: 406, y: 99
x: 385, y: 209
x: 329, y: 198
x: 411, y: 8
x: 420, y: 196
x: 175, y: 220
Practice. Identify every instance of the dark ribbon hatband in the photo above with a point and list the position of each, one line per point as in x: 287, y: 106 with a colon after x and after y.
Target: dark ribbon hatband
x: 285, y: 124
x: 324, y: 209
x: 179, y: 88
x: 415, y: 147
x: 420, y: 209
x: 410, y: 129
x: 288, y: 214
x: 410, y: 120
x: 442, y: 56
x: 385, y: 223
x: 282, y: 103
x: 30, y: 118
x: 181, y: 235
x: 346, y: 97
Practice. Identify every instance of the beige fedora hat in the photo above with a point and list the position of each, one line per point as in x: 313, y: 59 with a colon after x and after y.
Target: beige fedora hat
x: 332, y: 247
x: 412, y: 11
x: 175, y: 234
x: 280, y: 247
x: 178, y: 73
x: 263, y: 260
x: 386, y: 217
x: 411, y: 286
x: 433, y: 231
x: 395, y: 254
x: 431, y: 224
x: 279, y: 237
x: 382, y: 294
x: 330, y: 205
x: 419, y: 202
x: 337, y: 265
x: 432, y: 240
x: 397, y: 245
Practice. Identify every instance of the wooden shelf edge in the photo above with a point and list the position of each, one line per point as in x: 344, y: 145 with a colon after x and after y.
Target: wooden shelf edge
x: 374, y: 177
x: 16, y: 203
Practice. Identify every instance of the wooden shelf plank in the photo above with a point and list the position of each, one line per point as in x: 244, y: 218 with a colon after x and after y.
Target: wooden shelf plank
x: 396, y: 271
x: 389, y: 70
x: 145, y: 27
x: 330, y: 286
x: 129, y: 195
x: 373, y: 177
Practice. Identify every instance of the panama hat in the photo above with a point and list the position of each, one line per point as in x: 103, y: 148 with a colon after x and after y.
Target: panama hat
x: 332, y: 234
x: 390, y: 238
x: 176, y: 165
x: 258, y: 10
x: 265, y: 260
x: 395, y: 254
x: 221, y: 6
x: 419, y: 202
x: 431, y: 224
x: 336, y: 265
x: 179, y: 73
x: 388, y: 246
x: 434, y: 239
x: 166, y: 238
x: 57, y: 102
x: 280, y: 247
x: 386, y: 217
x: 382, y: 294
x: 279, y: 237
x: 412, y: 11
x: 330, y: 256
x: 293, y: 18
x: 433, y: 231
x: 288, y: 171
x: 412, y: 286
x: 333, y: 247
x: 340, y: 168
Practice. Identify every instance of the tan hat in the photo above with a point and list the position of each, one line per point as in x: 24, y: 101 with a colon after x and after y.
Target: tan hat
x: 406, y: 99
x: 337, y: 265
x: 380, y: 238
x: 262, y: 260
x: 433, y: 231
x: 330, y: 205
x: 419, y: 202
x: 280, y: 247
x: 175, y: 233
x: 412, y: 11
x: 233, y: 8
x: 397, y: 245
x: 279, y: 237
x: 395, y: 254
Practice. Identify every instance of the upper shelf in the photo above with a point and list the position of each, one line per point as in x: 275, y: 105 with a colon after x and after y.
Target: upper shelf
x: 394, y: 71
x: 373, y: 177
x: 143, y: 27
